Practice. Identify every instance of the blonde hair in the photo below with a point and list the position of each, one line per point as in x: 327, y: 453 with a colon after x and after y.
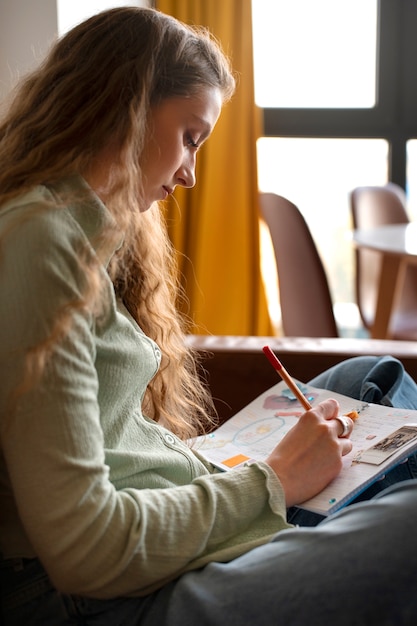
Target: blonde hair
x: 97, y: 87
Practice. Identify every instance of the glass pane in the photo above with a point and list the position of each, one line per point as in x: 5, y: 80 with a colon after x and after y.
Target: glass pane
x: 317, y: 175
x: 319, y: 54
x: 412, y: 178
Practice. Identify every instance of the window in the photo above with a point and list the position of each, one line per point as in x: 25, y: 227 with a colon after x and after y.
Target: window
x: 315, y: 64
x: 411, y: 177
x: 339, y: 98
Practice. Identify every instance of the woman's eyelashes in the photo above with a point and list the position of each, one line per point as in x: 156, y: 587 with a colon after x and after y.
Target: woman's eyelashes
x: 190, y: 142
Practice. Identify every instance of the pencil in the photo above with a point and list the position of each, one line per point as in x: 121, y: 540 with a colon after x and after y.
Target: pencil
x: 277, y: 365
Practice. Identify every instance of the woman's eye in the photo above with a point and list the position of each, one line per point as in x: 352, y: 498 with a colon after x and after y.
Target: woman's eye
x: 191, y: 142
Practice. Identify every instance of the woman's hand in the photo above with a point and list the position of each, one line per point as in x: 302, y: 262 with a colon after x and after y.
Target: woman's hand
x: 310, y: 454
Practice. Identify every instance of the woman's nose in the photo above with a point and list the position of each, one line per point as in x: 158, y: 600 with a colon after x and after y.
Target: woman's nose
x: 186, y: 173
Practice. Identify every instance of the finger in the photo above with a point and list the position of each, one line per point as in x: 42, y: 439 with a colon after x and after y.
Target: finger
x: 327, y: 408
x: 346, y: 445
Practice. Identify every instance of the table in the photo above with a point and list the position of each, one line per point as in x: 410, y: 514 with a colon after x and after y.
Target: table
x: 397, y: 244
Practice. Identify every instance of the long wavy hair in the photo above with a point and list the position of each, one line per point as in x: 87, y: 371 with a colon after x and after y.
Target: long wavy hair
x: 96, y: 88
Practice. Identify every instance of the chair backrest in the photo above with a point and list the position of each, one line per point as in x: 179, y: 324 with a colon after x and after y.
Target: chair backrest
x: 305, y: 299
x: 373, y: 206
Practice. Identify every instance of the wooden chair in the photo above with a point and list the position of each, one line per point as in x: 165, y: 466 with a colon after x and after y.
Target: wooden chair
x: 373, y: 206
x: 305, y: 299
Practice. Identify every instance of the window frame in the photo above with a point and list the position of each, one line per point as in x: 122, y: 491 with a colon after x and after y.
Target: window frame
x: 394, y: 116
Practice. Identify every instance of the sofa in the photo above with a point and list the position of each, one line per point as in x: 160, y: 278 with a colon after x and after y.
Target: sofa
x: 237, y: 370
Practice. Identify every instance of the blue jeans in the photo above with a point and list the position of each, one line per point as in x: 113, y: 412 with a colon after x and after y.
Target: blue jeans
x: 381, y: 380
x: 356, y: 567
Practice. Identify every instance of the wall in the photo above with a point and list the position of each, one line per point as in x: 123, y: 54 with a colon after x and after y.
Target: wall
x: 27, y: 28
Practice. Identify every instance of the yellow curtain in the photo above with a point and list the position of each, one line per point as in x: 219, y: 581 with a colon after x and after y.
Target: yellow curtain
x: 215, y: 226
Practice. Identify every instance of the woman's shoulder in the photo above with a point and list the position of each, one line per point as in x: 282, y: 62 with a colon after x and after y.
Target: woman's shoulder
x: 33, y: 197
x: 62, y: 213
x: 33, y: 222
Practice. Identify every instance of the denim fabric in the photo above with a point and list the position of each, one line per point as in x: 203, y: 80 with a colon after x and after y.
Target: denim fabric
x: 27, y: 596
x: 356, y: 567
x: 29, y: 599
x: 381, y: 380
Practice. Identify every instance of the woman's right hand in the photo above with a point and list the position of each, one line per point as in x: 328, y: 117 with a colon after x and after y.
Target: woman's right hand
x: 310, y: 455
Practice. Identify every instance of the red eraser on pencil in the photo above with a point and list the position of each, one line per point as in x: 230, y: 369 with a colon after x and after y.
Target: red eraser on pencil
x: 275, y: 362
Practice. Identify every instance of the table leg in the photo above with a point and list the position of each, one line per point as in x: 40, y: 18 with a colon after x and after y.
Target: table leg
x: 390, y: 286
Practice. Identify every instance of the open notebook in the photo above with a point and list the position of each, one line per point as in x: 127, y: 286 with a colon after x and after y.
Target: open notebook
x: 382, y: 438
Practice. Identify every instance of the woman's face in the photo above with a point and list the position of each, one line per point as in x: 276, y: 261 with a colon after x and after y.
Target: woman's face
x: 178, y: 127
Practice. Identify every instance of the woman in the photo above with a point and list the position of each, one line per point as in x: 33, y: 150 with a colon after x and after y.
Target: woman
x: 108, y: 516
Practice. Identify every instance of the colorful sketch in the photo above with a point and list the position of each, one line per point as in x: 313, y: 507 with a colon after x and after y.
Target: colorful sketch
x: 286, y: 400
x: 258, y: 430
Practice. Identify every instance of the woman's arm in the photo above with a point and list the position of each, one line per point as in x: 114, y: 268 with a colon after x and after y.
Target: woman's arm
x: 92, y: 537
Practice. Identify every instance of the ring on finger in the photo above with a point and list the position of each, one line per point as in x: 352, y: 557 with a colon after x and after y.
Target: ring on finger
x: 346, y: 425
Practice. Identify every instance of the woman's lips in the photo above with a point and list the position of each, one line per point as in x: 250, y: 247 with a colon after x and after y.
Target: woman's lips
x: 168, y: 191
